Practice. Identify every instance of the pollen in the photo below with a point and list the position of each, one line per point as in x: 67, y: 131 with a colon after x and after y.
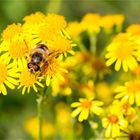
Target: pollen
x: 3, y: 73
x: 58, y: 42
x: 27, y: 79
x: 52, y: 68
x: 126, y: 51
x: 56, y: 21
x: 11, y: 31
x: 86, y: 104
x: 46, y: 33
x: 113, y: 119
x: 17, y: 49
x: 35, y: 18
x: 133, y: 87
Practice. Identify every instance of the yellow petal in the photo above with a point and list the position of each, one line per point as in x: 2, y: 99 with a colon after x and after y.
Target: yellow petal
x: 105, y: 122
x: 12, y: 80
x: 76, y: 112
x: 75, y: 104
x: 81, y: 116
x: 108, y: 131
x: 86, y: 113
x: 119, y: 95
x: 131, y: 99
x: 34, y: 87
x: 125, y: 66
x: 9, y: 85
x: 23, y: 90
x: 123, y: 123
x: 118, y: 65
x: 110, y: 61
x: 3, y: 89
x: 115, y: 130
x: 137, y: 98
x: 48, y: 79
x: 97, y: 110
x: 28, y: 89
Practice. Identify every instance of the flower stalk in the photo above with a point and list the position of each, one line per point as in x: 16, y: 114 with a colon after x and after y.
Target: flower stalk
x: 40, y: 115
x: 93, y: 40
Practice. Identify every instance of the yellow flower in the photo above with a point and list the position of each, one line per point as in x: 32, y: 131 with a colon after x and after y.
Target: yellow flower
x: 136, y: 70
x: 28, y: 81
x: 17, y: 51
x: 104, y: 92
x: 74, y: 28
x: 118, y: 19
x: 57, y: 22
x: 134, y: 29
x: 54, y: 70
x: 113, y: 123
x: 88, y: 89
x: 60, y: 44
x: 8, y: 73
x: 85, y: 107
x: 132, y: 132
x: 129, y: 92
x: 91, y: 22
x: 35, y: 18
x: 122, y: 50
x: 61, y: 86
x: 126, y: 109
x: 31, y: 127
x: 50, y: 32
x: 11, y: 32
x: 108, y: 21
x: 47, y: 28
x: 65, y: 125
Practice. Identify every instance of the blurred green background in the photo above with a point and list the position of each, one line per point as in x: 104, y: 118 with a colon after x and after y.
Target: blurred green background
x: 16, y: 108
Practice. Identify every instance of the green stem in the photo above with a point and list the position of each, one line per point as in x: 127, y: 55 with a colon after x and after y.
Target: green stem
x: 80, y: 44
x: 93, y: 40
x: 40, y: 114
x: 54, y: 6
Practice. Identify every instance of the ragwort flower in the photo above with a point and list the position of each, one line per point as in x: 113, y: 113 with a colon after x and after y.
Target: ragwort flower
x: 31, y: 127
x: 122, y: 50
x: 91, y: 22
x: 74, y: 29
x: 85, y: 107
x: 8, y: 73
x: 129, y: 92
x: 54, y: 70
x: 113, y: 123
x: 28, y: 81
x: 134, y: 29
x: 109, y: 21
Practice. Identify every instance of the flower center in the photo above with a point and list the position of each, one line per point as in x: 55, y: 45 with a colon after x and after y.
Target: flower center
x: 86, y: 104
x: 126, y: 106
x: 124, y: 51
x: 11, y: 31
x: 3, y: 73
x: 133, y: 87
x: 52, y: 67
x: 27, y: 79
x: 113, y: 119
x: 46, y: 33
x: 17, y: 49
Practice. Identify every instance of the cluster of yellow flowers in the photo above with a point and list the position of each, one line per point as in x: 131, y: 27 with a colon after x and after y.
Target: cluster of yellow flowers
x: 107, y: 99
x: 18, y: 41
x: 100, y: 92
x: 94, y: 23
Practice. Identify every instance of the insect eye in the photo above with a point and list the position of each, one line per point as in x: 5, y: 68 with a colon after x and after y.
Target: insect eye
x: 33, y: 66
x: 36, y: 68
x: 30, y: 65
